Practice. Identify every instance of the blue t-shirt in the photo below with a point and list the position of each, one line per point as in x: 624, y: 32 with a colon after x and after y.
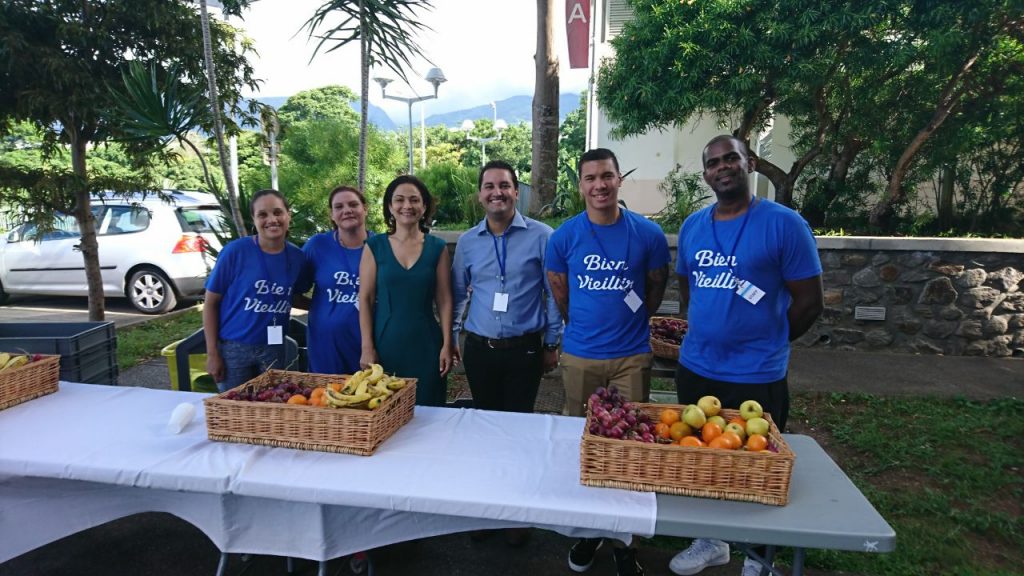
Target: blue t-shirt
x: 256, y: 288
x: 730, y: 339
x: 333, y: 337
x: 603, y: 263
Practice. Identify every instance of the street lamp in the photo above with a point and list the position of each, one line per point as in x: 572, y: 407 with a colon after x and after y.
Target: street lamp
x: 434, y: 76
x: 467, y: 127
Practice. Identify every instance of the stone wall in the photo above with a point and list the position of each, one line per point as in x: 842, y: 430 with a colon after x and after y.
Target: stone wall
x: 937, y: 295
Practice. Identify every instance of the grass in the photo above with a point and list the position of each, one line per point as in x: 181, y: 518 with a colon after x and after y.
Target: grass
x: 947, y: 474
x: 136, y: 344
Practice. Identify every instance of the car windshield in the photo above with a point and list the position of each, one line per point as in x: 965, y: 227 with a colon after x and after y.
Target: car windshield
x: 203, y: 219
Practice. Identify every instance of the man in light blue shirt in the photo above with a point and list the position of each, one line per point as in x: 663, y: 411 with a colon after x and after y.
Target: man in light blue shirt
x: 511, y: 322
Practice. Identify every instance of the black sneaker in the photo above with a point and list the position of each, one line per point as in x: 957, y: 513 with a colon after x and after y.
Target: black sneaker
x: 625, y: 562
x: 581, y: 555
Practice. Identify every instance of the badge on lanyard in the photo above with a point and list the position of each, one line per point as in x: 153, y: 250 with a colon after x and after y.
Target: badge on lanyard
x: 500, y: 302
x: 749, y: 292
x: 632, y: 300
x: 275, y: 334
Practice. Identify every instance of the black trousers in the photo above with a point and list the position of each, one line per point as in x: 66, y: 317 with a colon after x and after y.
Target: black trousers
x: 504, y: 379
x: 773, y: 396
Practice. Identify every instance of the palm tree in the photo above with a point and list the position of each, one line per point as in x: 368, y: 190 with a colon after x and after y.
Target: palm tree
x: 385, y: 30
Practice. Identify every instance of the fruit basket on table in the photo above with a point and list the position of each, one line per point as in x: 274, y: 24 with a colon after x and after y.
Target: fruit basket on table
x: 27, y: 376
x: 261, y: 412
x: 633, y: 464
x: 666, y: 336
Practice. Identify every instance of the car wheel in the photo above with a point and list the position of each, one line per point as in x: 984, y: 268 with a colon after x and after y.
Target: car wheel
x: 151, y: 292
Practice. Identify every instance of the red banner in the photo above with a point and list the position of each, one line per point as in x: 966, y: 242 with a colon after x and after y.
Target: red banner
x: 577, y: 30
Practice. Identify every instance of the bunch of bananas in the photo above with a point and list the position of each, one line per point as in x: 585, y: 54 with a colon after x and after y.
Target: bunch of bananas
x: 7, y: 361
x: 366, y: 389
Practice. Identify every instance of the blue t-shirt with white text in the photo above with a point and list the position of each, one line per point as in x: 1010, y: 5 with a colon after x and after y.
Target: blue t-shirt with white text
x: 729, y: 339
x: 256, y: 288
x: 602, y: 264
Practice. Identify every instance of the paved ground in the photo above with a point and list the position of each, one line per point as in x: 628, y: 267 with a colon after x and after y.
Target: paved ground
x: 70, y: 309
x: 162, y: 545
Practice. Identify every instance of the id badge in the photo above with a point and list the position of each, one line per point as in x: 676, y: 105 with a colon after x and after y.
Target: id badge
x: 275, y: 334
x: 633, y: 301
x: 749, y: 292
x: 500, y: 302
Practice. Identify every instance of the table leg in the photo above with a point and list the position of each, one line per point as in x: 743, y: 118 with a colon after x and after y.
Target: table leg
x: 222, y: 564
x: 322, y: 569
x: 798, y: 561
x: 290, y: 565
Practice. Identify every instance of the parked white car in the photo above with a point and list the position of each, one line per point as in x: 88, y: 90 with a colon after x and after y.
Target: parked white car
x: 151, y: 251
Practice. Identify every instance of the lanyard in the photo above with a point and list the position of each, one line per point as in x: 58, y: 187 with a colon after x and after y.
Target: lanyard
x: 604, y: 254
x: 736, y: 241
x: 266, y: 271
x: 502, y: 256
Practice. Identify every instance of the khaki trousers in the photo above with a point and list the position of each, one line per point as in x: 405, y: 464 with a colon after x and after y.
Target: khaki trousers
x: 581, y: 376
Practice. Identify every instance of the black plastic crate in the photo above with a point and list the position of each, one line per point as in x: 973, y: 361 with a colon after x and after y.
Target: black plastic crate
x: 88, y: 350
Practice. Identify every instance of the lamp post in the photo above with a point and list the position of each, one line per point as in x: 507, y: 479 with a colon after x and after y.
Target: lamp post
x: 435, y: 77
x: 467, y: 127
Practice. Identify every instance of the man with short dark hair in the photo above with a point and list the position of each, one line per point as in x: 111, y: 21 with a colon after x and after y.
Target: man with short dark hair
x: 607, y: 268
x: 749, y: 283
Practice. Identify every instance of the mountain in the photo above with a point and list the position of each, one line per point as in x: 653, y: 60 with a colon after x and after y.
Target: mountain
x: 512, y: 110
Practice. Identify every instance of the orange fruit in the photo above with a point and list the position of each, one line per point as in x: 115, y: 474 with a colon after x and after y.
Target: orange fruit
x: 738, y: 420
x: 733, y: 439
x: 691, y: 441
x: 662, y: 430
x: 710, y: 431
x: 720, y: 442
x: 337, y: 386
x: 757, y: 442
x: 298, y: 399
x: 669, y: 416
x: 317, y: 393
x: 679, y: 429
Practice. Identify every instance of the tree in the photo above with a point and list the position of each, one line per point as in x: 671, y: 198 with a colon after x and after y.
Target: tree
x: 385, y: 31
x: 58, y: 59
x: 544, y: 173
x: 325, y: 103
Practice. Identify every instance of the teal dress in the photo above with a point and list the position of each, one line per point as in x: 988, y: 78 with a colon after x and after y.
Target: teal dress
x: 405, y: 331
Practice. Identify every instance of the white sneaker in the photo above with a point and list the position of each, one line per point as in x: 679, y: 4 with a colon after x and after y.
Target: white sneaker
x: 703, y: 552
x: 752, y: 568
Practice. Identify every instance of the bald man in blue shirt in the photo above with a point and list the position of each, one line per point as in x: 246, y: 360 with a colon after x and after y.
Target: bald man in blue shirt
x: 512, y: 324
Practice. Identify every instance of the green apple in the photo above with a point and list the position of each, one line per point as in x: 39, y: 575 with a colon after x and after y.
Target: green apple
x: 739, y: 430
x: 758, y: 426
x: 710, y: 405
x: 718, y: 420
x: 751, y: 409
x: 694, y: 416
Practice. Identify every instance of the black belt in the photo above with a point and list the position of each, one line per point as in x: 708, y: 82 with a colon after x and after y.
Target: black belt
x: 505, y: 343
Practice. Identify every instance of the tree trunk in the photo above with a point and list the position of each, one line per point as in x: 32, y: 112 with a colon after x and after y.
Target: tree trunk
x: 218, y: 126
x: 544, y: 174
x: 945, y: 207
x: 882, y: 213
x: 818, y: 215
x: 364, y: 97
x: 87, y: 230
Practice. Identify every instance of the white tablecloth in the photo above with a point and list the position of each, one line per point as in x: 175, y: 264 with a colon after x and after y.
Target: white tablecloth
x: 445, y: 471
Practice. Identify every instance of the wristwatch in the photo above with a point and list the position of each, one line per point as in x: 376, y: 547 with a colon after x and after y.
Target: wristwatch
x: 551, y: 347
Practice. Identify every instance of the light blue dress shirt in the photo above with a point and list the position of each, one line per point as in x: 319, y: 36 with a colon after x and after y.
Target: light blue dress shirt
x: 476, y: 277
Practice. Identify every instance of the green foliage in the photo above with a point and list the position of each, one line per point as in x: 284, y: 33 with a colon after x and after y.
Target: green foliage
x: 454, y: 188
x: 325, y: 103
x: 571, y: 144
x: 568, y: 200
x: 135, y: 344
x: 686, y: 194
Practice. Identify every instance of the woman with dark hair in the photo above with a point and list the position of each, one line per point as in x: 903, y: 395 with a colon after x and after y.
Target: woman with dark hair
x: 403, y: 275
x: 249, y: 295
x: 332, y: 270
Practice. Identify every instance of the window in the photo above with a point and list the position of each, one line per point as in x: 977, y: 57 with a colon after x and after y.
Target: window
x: 125, y: 219
x: 202, y: 219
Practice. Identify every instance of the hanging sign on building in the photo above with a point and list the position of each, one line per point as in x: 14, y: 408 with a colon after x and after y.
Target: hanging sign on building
x: 577, y: 30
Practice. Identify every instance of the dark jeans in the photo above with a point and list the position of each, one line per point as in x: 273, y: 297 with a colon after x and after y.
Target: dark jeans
x: 504, y: 379
x: 243, y: 362
x: 773, y: 396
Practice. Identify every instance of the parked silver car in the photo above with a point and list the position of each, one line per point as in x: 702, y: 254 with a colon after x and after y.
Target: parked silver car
x: 151, y: 250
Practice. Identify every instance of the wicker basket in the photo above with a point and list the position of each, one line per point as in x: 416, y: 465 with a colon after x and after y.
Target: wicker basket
x: 30, y: 381
x: 343, y: 430
x: 661, y: 348
x: 683, y: 471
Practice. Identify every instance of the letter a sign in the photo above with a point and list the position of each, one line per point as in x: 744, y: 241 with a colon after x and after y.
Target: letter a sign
x: 577, y: 30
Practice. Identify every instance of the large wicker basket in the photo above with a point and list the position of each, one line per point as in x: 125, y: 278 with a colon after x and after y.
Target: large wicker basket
x: 30, y: 381
x: 660, y: 348
x: 343, y: 430
x: 683, y: 471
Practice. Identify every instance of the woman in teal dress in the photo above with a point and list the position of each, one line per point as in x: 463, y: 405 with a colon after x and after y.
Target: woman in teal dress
x: 403, y: 275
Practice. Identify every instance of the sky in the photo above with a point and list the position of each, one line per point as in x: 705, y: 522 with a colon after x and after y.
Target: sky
x: 484, y: 47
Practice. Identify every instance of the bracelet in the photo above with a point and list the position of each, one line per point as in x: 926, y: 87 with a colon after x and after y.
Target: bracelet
x: 551, y: 347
